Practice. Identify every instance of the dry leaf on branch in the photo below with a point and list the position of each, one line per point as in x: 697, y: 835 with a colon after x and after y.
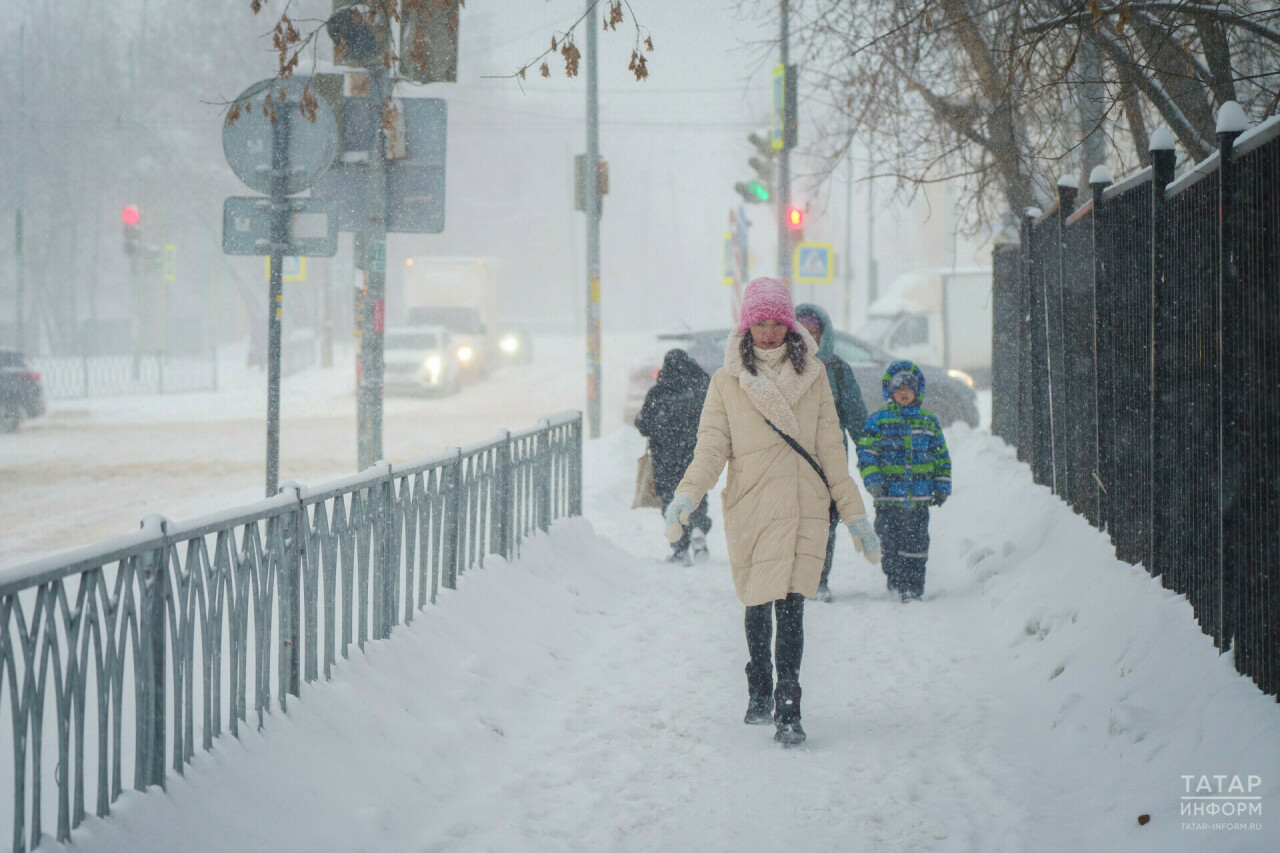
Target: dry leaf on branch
x: 546, y: 72
x: 569, y: 51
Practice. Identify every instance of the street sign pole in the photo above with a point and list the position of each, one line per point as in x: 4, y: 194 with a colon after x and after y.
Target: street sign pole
x: 275, y: 304
x: 374, y: 264
x: 594, y: 373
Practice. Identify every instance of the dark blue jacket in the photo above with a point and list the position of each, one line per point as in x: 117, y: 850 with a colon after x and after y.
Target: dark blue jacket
x: 844, y: 385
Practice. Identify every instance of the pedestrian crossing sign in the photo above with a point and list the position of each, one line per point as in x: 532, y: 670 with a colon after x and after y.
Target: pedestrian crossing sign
x: 813, y: 263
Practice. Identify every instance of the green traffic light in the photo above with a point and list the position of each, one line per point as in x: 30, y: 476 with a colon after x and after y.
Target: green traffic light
x: 759, y: 190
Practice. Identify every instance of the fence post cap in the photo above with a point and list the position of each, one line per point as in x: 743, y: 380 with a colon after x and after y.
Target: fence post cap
x: 1069, y: 181
x: 1101, y: 175
x: 1033, y: 212
x: 155, y: 525
x: 299, y: 490
x: 1161, y: 139
x: 1231, y: 118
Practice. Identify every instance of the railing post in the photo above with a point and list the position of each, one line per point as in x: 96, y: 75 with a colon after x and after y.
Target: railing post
x: 1025, y: 414
x: 151, y: 712
x: 546, y: 489
x: 1103, y: 331
x: 384, y: 572
x: 575, y: 483
x: 1060, y: 413
x: 452, y: 519
x: 1232, y: 367
x: 1162, y: 162
x: 506, y: 498
x: 290, y: 585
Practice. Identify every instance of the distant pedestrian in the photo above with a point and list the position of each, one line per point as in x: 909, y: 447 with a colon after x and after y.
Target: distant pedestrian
x: 849, y: 406
x: 906, y: 467
x: 669, y: 419
x: 774, y: 423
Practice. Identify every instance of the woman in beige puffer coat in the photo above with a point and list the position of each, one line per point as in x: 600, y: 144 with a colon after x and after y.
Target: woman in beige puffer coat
x: 776, y: 505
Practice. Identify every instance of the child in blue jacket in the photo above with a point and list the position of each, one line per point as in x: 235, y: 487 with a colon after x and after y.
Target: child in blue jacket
x: 906, y: 468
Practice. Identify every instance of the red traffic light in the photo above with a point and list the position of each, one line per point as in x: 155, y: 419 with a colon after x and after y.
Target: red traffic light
x: 129, y: 215
x: 795, y: 217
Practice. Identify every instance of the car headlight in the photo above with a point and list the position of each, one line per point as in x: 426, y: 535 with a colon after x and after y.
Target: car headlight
x: 465, y: 353
x: 432, y: 363
x: 961, y: 376
x: 509, y: 344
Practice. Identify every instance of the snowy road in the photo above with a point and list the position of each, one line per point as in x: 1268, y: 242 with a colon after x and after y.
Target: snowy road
x: 91, y: 469
x: 589, y: 697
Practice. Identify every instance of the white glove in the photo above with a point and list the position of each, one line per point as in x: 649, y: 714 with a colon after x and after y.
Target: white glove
x: 676, y: 515
x: 865, y: 539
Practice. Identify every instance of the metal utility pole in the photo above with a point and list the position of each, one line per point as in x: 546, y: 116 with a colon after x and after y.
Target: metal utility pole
x: 19, y: 237
x: 873, y: 283
x: 373, y: 240
x: 593, y: 229
x: 275, y: 304
x: 784, y: 163
x: 848, y: 242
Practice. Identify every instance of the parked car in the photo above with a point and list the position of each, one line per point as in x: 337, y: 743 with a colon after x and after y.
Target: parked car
x: 950, y: 399
x: 420, y: 359
x: 21, y: 394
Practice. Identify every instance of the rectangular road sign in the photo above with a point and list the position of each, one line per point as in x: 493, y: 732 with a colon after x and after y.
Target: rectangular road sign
x: 813, y: 263
x: 415, y: 185
x: 246, y: 227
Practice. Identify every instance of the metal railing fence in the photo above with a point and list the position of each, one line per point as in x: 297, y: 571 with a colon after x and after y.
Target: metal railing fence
x: 80, y: 376
x: 155, y: 642
x: 1137, y: 350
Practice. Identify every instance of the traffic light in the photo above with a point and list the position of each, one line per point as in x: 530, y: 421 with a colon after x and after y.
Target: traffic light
x: 795, y: 224
x: 132, y: 239
x: 759, y: 189
x: 361, y: 36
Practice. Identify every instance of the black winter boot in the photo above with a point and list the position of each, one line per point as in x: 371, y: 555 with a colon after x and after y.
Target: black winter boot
x: 760, y: 701
x: 786, y: 714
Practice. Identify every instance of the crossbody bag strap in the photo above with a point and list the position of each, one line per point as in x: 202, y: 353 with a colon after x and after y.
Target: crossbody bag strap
x: 795, y: 445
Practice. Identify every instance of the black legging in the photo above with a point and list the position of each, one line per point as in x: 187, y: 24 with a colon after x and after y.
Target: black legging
x: 789, y: 643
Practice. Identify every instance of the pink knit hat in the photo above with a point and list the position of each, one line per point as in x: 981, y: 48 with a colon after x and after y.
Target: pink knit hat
x: 767, y: 299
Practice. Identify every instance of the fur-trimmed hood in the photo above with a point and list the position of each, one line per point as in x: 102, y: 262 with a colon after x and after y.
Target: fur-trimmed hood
x: 826, y: 349
x: 773, y: 399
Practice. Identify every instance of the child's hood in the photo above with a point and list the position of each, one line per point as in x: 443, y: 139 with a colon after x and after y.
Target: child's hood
x: 899, y: 366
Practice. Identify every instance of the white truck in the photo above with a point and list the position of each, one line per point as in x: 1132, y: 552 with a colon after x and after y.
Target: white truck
x: 462, y: 295
x: 939, y: 316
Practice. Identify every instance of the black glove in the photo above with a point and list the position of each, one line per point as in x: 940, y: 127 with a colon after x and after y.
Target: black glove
x: 878, y: 490
x: 939, y: 498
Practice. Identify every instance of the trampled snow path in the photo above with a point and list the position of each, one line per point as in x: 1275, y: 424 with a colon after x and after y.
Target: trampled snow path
x: 589, y: 697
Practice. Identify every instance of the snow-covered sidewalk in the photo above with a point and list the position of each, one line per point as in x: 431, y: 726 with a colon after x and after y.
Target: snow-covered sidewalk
x: 589, y: 697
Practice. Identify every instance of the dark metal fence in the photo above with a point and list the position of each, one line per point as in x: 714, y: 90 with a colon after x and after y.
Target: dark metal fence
x: 179, y: 627
x: 1137, y: 371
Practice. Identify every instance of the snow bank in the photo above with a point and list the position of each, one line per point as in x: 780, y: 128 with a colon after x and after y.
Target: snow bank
x: 588, y: 696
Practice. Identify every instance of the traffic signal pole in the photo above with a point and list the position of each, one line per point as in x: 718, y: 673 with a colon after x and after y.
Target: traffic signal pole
x: 373, y: 240
x: 784, y: 168
x: 593, y: 228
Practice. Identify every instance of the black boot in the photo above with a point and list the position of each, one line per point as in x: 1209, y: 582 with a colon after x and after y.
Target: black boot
x: 760, y: 701
x: 786, y: 714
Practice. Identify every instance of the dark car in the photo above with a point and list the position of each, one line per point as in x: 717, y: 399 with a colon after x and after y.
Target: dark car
x: 950, y: 399
x: 21, y: 395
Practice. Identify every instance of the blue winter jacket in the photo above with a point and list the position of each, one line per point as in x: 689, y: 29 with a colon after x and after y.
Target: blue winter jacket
x: 904, y: 450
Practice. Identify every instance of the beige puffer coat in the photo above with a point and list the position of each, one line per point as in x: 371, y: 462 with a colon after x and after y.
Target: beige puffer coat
x: 776, y: 516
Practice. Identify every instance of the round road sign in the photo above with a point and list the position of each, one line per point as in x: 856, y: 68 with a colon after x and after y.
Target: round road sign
x: 247, y: 140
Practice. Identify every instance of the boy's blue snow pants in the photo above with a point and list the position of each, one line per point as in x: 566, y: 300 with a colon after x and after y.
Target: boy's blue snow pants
x: 904, y: 543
